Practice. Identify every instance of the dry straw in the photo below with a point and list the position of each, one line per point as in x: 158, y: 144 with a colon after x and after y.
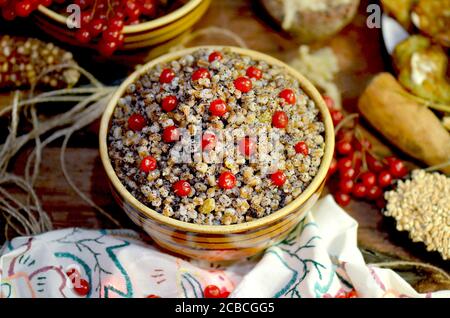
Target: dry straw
x: 19, y: 203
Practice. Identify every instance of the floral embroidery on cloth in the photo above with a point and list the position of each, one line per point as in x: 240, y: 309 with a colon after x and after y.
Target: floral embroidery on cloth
x: 319, y: 258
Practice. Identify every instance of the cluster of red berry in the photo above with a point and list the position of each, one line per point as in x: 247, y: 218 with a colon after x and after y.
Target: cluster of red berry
x: 101, y: 20
x: 210, y: 291
x: 218, y: 107
x: 360, y: 174
x: 104, y: 20
x: 80, y: 285
x: 22, y: 8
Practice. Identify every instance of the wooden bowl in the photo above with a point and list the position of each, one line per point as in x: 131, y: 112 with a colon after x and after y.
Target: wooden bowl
x: 141, y: 35
x: 219, y: 242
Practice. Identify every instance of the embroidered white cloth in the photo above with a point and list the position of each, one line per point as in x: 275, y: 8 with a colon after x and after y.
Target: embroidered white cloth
x: 320, y: 258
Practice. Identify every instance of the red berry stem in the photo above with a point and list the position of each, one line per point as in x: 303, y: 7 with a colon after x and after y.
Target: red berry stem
x: 347, y: 119
x: 364, y: 161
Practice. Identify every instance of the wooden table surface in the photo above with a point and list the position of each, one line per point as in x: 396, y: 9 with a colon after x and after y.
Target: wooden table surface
x: 361, y: 55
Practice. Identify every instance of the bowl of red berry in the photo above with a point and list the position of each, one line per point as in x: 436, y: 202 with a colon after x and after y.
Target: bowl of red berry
x: 216, y: 152
x: 111, y: 25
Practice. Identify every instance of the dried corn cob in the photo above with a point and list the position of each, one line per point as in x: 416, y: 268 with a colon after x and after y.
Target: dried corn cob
x: 23, y: 61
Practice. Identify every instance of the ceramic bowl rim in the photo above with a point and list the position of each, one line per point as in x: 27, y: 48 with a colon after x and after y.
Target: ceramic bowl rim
x: 315, y: 184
